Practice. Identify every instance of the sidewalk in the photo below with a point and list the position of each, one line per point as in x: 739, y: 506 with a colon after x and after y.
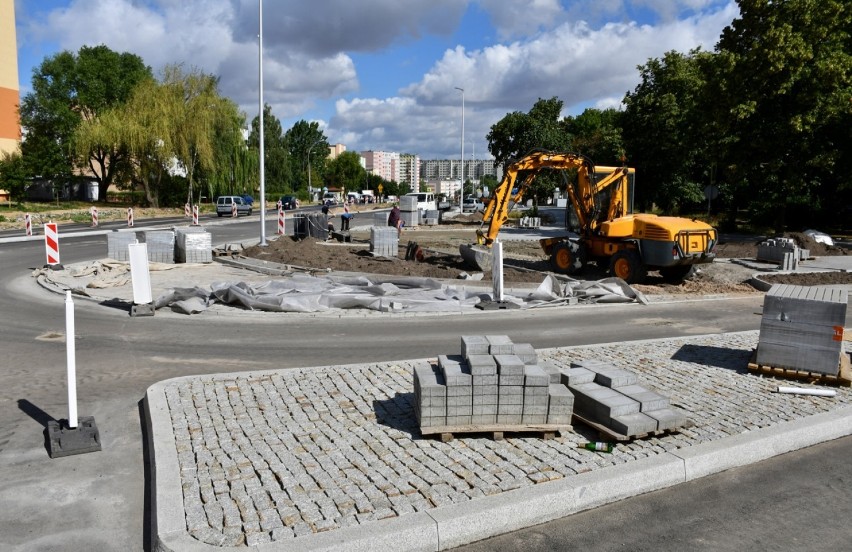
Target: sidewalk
x: 331, y: 459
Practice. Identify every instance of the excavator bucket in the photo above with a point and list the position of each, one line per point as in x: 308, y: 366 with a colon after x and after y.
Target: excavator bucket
x: 476, y: 256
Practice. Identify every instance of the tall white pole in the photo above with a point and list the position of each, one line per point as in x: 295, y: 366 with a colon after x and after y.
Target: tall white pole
x: 461, y: 169
x: 70, y: 358
x: 260, y: 125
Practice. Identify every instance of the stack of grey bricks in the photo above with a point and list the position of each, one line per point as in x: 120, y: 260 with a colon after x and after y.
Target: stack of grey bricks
x: 193, y: 244
x: 408, y: 210
x: 431, y: 217
x: 384, y: 241
x: 493, y: 381
x: 783, y: 251
x: 613, y: 398
x: 802, y: 328
x: 161, y: 245
x: 117, y: 243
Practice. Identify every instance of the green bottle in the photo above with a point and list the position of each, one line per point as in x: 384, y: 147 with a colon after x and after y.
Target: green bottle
x: 597, y: 446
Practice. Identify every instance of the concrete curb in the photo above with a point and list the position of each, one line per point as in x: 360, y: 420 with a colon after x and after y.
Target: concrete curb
x: 452, y: 526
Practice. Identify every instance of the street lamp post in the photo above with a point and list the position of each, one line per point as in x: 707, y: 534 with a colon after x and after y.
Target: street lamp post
x: 461, y: 169
x: 310, y: 189
x: 260, y: 125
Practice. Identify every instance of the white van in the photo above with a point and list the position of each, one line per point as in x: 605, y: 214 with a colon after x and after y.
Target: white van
x: 425, y: 201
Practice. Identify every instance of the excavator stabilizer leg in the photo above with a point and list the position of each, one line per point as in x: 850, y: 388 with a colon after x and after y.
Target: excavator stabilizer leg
x: 476, y: 256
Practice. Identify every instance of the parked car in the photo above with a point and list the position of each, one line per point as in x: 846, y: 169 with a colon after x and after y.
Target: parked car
x: 289, y: 202
x: 472, y: 204
x: 248, y: 199
x: 224, y: 203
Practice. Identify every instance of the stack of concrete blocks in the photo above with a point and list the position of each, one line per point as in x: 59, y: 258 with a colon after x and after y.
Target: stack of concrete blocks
x: 384, y: 241
x: 493, y: 381
x: 802, y: 328
x: 117, y: 243
x: 613, y: 398
x: 408, y: 210
x: 193, y: 244
x: 529, y: 222
x: 161, y: 245
x: 431, y: 217
x: 783, y: 251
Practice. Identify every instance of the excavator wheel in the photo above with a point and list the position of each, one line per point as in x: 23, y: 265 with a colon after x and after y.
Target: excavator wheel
x: 567, y: 257
x: 677, y: 274
x: 627, y: 265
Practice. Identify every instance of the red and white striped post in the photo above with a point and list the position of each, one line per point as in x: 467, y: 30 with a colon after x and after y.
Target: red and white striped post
x: 280, y: 220
x: 187, y: 212
x: 130, y: 217
x: 51, y: 245
x: 279, y: 205
x: 94, y: 217
x: 233, y: 209
x: 195, y: 215
x: 28, y: 224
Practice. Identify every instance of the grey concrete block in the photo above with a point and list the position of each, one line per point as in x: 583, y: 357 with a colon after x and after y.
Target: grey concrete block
x: 667, y: 418
x: 456, y: 371
x: 535, y: 376
x: 552, y: 371
x: 526, y: 352
x: 633, y: 424
x: 487, y: 409
x: 500, y: 345
x: 510, y: 381
x: 485, y: 390
x: 559, y: 418
x: 648, y: 400
x: 474, y: 345
x: 601, y: 403
x: 480, y: 400
x: 482, y: 365
x: 485, y: 380
x: 509, y: 365
x: 576, y: 376
x: 529, y: 418
x: 483, y: 419
x: 591, y: 364
x: 615, y: 377
x: 509, y: 419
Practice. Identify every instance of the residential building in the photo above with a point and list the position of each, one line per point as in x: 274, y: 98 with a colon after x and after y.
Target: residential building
x: 409, y: 171
x: 10, y: 124
x: 335, y: 149
x: 382, y: 163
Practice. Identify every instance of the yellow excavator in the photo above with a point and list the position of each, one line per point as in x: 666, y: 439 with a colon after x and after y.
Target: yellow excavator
x: 599, y: 212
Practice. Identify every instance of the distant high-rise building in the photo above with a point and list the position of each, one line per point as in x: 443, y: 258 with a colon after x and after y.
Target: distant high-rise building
x: 335, y: 149
x: 10, y: 123
x: 448, y: 169
x: 409, y: 171
x: 382, y: 163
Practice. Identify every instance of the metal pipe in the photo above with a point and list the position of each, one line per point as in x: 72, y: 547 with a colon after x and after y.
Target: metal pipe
x: 71, y: 362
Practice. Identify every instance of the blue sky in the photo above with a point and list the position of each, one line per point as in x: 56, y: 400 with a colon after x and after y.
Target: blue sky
x: 381, y: 74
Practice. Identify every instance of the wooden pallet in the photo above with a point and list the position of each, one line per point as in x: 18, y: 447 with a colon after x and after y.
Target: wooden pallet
x: 608, y: 434
x: 842, y: 379
x: 447, y: 433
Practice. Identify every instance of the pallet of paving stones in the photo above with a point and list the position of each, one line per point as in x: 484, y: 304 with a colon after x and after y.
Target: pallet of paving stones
x: 842, y: 379
x: 497, y: 431
x: 609, y: 434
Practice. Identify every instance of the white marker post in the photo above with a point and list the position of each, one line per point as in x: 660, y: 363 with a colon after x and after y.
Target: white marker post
x: 70, y: 353
x: 497, y: 270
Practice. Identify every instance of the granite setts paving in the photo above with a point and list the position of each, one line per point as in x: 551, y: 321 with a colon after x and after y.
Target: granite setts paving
x: 273, y: 456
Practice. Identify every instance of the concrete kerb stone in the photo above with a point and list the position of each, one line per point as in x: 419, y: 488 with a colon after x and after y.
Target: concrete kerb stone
x: 751, y: 447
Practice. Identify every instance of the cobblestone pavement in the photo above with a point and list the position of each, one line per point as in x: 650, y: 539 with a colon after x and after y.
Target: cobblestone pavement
x: 273, y: 456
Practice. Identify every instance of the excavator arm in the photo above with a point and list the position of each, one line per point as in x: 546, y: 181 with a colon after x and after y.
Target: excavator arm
x: 582, y: 197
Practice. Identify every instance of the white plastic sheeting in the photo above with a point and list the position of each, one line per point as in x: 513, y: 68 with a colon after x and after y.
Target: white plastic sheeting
x: 305, y: 293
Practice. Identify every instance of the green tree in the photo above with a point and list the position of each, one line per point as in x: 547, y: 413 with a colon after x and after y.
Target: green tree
x: 345, y: 171
x: 307, y: 144
x: 784, y: 99
x: 13, y: 175
x: 179, y: 125
x: 518, y: 134
x: 277, y: 166
x: 67, y: 90
x: 663, y: 132
x: 597, y: 135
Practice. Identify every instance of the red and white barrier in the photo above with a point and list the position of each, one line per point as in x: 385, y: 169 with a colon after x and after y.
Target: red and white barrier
x: 28, y: 224
x: 279, y: 205
x: 94, y: 217
x: 130, y: 217
x: 280, y: 220
x: 195, y: 215
x: 187, y: 212
x: 233, y: 209
x: 51, y: 243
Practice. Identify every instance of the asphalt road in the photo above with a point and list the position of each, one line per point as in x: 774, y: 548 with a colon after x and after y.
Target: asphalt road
x: 98, y: 501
